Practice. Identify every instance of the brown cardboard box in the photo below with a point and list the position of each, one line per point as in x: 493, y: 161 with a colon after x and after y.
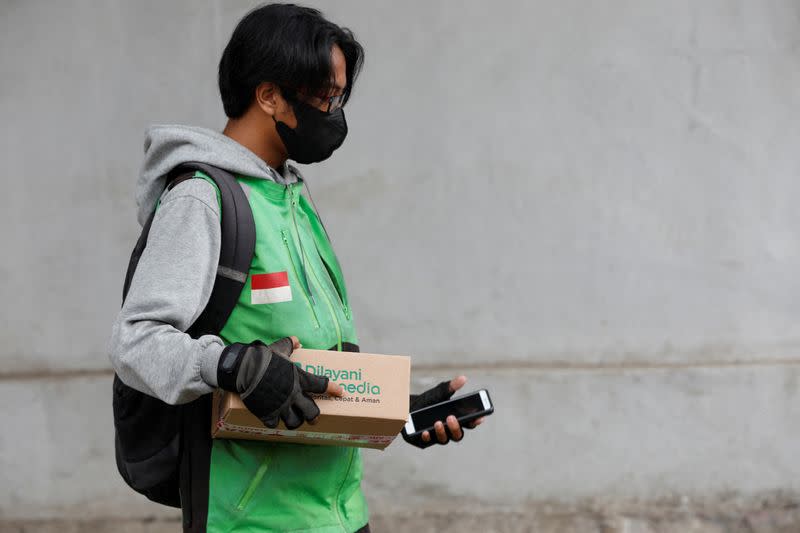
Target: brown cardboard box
x: 371, y: 413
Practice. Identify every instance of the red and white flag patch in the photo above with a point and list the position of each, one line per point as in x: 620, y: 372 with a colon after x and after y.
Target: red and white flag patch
x: 270, y: 288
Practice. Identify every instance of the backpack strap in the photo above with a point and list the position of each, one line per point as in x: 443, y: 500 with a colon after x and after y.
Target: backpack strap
x: 236, y: 249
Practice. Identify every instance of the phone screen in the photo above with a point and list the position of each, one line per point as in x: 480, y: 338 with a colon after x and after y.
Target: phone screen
x: 425, y: 418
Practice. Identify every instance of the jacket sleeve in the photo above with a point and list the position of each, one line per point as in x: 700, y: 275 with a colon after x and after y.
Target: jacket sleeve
x: 149, y: 348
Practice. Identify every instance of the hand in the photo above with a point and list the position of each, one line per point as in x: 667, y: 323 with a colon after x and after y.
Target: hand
x: 453, y: 426
x: 332, y: 389
x: 444, y: 433
x: 270, y: 386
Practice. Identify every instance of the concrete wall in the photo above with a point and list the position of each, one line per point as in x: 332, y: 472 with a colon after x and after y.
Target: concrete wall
x: 588, y: 208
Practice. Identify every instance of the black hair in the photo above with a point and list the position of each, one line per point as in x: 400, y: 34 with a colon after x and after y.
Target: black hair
x: 287, y: 45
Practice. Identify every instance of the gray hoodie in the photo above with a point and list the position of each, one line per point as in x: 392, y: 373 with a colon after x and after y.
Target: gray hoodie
x: 149, y: 348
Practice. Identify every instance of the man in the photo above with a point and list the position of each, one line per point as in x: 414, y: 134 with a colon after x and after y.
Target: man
x: 284, y: 77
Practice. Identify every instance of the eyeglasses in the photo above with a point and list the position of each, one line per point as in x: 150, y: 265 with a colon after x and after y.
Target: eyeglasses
x: 335, y: 102
x: 327, y: 104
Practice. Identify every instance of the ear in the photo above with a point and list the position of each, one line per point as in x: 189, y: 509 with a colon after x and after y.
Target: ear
x: 266, y: 97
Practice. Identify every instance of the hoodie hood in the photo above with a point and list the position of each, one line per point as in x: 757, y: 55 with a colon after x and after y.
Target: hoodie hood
x: 167, y: 146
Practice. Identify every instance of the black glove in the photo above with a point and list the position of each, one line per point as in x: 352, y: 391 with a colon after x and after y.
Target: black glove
x: 437, y: 394
x: 270, y: 386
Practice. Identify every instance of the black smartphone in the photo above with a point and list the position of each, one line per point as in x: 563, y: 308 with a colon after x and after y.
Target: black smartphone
x: 465, y: 408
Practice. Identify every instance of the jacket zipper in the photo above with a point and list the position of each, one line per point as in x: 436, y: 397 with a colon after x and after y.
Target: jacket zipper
x: 304, y: 258
x: 251, y: 488
x: 345, y: 307
x: 333, y: 313
x: 339, y: 296
x: 296, y: 275
x: 341, y: 486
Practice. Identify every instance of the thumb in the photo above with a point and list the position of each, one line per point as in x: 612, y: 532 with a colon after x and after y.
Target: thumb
x: 283, y: 347
x: 457, y: 382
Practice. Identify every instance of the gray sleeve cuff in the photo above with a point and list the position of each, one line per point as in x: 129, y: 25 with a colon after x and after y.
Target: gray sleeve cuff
x: 209, y: 358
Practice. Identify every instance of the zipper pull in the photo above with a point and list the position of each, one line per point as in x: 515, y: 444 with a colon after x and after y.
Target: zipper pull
x: 310, y: 295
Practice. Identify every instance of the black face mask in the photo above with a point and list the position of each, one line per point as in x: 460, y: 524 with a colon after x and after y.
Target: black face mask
x: 316, y: 136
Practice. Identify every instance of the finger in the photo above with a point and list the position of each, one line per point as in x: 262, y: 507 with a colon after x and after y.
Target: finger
x: 441, y: 435
x: 291, y: 419
x: 457, y: 382
x: 334, y: 389
x: 295, y: 342
x: 475, y: 423
x: 283, y: 347
x: 271, y: 421
x: 456, y: 432
x: 311, y: 382
x: 308, y: 409
x: 426, y: 436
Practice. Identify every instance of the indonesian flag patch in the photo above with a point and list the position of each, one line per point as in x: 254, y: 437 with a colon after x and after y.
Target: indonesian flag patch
x: 270, y: 288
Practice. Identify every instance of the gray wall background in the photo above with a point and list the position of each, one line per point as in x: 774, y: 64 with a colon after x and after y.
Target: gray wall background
x: 589, y: 208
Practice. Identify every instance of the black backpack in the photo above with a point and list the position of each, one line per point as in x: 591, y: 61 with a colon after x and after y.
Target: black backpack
x: 151, y: 436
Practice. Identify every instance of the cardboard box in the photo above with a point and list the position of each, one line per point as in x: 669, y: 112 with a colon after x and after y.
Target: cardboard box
x: 371, y: 413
